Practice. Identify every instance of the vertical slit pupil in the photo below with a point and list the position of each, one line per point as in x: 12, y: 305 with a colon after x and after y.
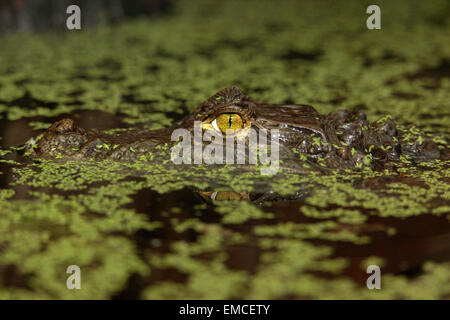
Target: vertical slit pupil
x: 230, y: 120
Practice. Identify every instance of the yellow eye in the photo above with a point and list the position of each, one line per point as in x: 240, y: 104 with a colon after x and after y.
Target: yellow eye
x: 228, y: 121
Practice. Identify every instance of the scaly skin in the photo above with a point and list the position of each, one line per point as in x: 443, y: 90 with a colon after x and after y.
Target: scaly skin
x: 341, y: 139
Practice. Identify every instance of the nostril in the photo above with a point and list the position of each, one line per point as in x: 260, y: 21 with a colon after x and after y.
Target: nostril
x: 379, y: 154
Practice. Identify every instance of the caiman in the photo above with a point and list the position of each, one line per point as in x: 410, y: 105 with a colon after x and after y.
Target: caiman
x: 340, y: 139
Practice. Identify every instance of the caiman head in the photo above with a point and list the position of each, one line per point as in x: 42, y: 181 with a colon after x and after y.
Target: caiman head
x: 341, y: 139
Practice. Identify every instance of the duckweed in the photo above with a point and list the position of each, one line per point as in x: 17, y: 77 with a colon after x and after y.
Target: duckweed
x: 144, y: 221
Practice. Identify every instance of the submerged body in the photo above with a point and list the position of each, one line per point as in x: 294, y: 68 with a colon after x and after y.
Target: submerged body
x: 341, y: 139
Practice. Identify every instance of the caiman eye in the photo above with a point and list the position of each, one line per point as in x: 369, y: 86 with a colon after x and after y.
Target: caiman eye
x: 228, y: 121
